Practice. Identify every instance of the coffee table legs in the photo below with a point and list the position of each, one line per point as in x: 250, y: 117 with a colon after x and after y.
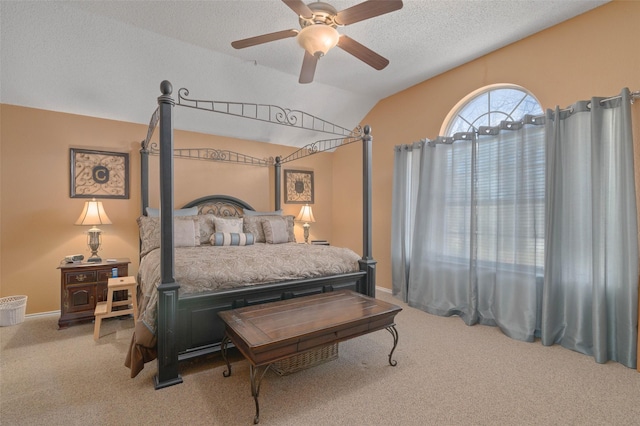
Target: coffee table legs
x: 255, y: 375
x: 394, y: 333
x: 256, y: 380
x: 223, y: 350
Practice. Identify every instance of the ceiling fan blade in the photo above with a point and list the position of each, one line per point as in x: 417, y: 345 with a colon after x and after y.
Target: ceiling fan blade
x: 361, y: 52
x: 265, y: 38
x: 367, y: 9
x: 299, y: 7
x: 308, y: 68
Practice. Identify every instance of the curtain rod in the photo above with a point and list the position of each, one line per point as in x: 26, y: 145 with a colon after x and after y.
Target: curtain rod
x: 633, y: 96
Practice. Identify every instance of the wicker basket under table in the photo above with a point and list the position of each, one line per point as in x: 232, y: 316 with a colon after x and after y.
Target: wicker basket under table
x: 306, y: 360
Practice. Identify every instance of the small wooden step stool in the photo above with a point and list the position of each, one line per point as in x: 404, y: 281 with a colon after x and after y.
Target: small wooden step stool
x: 105, y: 309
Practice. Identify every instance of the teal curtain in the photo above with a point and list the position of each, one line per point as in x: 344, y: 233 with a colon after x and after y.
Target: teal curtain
x: 406, y: 178
x: 591, y: 269
x: 530, y: 226
x: 479, y: 231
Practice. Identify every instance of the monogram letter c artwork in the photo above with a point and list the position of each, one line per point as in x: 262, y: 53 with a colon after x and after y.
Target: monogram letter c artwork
x: 99, y: 174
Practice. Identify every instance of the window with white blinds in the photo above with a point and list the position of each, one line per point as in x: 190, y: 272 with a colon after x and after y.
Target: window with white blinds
x: 509, y: 186
x: 457, y: 202
x: 495, y: 200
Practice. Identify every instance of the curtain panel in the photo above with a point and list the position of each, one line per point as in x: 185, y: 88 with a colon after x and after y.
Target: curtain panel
x: 406, y: 177
x: 529, y: 226
x: 590, y: 288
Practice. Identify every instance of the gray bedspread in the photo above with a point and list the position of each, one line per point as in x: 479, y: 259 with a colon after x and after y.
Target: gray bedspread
x: 209, y: 268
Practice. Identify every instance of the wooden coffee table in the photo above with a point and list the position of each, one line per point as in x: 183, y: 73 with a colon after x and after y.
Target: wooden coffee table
x: 274, y: 331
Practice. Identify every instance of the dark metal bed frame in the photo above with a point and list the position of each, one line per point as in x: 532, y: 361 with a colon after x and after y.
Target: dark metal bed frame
x: 189, y: 326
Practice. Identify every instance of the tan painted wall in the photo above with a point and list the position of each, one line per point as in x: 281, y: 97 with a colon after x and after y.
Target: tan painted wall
x: 38, y: 216
x: 591, y: 55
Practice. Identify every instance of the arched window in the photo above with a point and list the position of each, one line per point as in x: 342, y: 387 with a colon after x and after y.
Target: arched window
x: 489, y: 106
x: 504, y: 178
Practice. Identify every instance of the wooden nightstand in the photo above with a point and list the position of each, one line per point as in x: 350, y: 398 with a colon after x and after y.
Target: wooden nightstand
x: 82, y: 286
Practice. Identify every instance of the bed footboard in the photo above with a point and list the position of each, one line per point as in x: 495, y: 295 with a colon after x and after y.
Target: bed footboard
x: 200, y: 330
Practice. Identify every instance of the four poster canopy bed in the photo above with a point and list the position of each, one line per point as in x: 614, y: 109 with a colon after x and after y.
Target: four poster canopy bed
x: 217, y: 253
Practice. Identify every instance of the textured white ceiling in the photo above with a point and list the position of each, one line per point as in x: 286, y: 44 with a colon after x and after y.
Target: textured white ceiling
x: 107, y: 58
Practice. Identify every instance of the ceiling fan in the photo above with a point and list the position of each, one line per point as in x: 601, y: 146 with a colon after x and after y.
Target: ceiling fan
x: 318, y: 34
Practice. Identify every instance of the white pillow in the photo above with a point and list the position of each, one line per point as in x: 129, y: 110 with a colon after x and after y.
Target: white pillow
x: 231, y: 225
x: 186, y: 233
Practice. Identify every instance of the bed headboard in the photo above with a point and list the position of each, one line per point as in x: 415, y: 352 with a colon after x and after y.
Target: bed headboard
x: 219, y: 205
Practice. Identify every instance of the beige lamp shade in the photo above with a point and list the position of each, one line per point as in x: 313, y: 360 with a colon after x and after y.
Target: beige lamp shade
x: 306, y: 214
x: 318, y: 39
x: 93, y: 214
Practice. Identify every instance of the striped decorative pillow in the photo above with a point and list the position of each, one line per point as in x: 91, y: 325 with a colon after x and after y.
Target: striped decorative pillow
x: 231, y: 239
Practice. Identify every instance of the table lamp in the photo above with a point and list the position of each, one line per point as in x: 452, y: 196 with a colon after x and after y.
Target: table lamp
x: 306, y: 216
x: 93, y: 214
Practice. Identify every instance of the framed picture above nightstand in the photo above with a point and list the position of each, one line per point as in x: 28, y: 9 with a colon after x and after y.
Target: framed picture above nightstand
x: 298, y: 187
x: 99, y: 174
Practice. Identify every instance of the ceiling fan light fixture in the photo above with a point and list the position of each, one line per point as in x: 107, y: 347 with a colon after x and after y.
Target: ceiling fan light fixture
x: 318, y: 39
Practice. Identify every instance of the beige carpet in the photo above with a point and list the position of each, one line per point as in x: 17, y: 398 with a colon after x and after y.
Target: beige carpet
x: 447, y: 374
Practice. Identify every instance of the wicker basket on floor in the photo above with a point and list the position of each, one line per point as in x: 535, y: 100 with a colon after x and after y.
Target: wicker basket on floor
x: 305, y: 360
x: 12, y: 310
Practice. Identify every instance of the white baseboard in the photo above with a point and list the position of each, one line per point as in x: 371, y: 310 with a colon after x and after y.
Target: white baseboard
x: 42, y: 314
x: 384, y: 289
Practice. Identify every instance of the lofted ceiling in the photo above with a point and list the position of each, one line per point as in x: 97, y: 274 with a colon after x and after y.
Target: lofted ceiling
x: 107, y: 58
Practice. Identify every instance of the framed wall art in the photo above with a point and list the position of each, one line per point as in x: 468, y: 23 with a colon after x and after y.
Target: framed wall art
x: 298, y: 187
x: 99, y: 174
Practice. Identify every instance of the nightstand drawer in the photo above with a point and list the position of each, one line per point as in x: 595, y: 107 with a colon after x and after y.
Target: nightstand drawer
x: 83, y: 285
x: 80, y: 277
x: 104, y: 275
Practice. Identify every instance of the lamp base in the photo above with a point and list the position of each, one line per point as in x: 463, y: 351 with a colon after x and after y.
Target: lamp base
x: 94, y: 241
x: 306, y: 227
